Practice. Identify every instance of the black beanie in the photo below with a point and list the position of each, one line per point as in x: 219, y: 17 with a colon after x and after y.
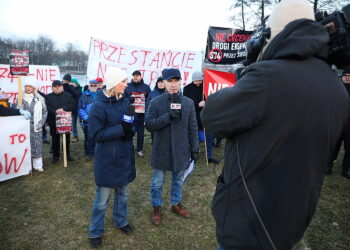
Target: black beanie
x: 345, y: 71
x: 67, y: 77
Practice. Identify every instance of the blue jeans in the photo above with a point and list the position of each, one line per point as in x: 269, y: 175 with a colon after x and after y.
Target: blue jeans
x: 157, y: 186
x: 140, y: 130
x: 209, y: 140
x: 220, y: 248
x: 74, y: 124
x: 101, y: 205
x: 89, y: 144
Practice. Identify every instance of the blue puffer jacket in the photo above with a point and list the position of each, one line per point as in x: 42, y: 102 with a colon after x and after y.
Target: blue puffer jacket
x: 114, y: 163
x: 84, y: 105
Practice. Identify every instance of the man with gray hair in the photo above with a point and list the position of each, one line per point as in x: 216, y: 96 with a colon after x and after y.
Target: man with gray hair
x: 172, y: 118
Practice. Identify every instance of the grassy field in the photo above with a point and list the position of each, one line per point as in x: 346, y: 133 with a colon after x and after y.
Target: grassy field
x: 51, y: 210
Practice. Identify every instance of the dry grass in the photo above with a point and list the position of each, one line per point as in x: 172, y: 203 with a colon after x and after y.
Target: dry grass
x: 52, y: 210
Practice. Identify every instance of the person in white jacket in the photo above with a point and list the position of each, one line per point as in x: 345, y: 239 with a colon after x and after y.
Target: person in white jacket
x: 34, y: 103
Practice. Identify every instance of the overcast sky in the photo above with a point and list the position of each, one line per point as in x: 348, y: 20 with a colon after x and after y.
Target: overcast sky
x: 164, y: 24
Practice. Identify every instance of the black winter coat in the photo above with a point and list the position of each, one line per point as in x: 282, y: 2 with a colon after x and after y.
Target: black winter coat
x: 282, y: 120
x: 54, y: 102
x: 195, y: 93
x: 137, y: 87
x: 4, y: 111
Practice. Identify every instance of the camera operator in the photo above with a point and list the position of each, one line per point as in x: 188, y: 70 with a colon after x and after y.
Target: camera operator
x: 282, y: 120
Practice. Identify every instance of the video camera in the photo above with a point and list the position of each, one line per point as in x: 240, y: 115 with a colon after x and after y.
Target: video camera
x: 338, y: 27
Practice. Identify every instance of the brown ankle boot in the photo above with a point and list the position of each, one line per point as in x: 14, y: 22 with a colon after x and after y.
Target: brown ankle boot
x: 157, y: 215
x: 180, y: 211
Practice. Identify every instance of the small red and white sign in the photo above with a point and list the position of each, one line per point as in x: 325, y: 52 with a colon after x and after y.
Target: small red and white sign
x: 19, y: 62
x: 215, y: 80
x: 64, y: 123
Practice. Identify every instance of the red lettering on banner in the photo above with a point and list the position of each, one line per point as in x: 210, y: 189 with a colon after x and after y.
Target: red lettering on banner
x: 172, y: 62
x: 121, y: 54
x: 220, y: 37
x: 100, y: 70
x: 46, y: 89
x: 164, y: 57
x: 103, y: 47
x: 21, y: 138
x: 146, y: 52
x: 3, y: 72
x: 114, y: 50
x: 155, y: 59
x: 183, y: 59
x: 52, y: 74
x: 186, y: 74
x: 154, y: 76
x: 13, y: 160
x: 189, y: 58
x: 135, y: 58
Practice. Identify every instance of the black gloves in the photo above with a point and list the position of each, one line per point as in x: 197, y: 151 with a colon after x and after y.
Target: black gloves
x: 194, y: 156
x: 175, y: 115
x: 127, y: 127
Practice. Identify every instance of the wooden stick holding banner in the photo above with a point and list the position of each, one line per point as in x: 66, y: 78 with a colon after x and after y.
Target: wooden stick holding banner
x: 64, y: 126
x: 64, y: 151
x: 20, y: 92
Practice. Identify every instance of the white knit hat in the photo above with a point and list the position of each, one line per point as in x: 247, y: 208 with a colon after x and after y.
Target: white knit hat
x: 113, y: 76
x: 30, y: 81
x: 287, y: 11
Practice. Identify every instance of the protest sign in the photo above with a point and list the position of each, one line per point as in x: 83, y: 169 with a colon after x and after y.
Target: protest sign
x: 216, y: 80
x: 226, y: 45
x: 64, y: 123
x: 15, y: 154
x: 44, y: 75
x: 150, y: 62
x: 19, y: 62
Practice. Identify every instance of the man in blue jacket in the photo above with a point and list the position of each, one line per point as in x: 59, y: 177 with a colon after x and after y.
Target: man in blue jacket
x: 137, y: 91
x: 84, y: 105
x: 110, y: 125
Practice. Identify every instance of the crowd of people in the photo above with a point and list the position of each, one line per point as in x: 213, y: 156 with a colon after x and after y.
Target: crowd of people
x: 284, y: 122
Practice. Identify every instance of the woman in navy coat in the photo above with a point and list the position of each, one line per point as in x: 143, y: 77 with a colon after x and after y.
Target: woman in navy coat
x: 110, y: 126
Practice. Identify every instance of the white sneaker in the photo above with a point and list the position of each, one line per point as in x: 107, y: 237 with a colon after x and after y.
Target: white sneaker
x: 140, y: 153
x: 39, y: 170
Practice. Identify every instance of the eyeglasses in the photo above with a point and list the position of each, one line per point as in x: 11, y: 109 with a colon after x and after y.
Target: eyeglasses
x: 93, y: 85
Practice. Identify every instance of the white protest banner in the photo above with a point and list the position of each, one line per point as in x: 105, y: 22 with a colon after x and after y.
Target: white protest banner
x: 42, y: 73
x: 150, y: 62
x: 15, y: 156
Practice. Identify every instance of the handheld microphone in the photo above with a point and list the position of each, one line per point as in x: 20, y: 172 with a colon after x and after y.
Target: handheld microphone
x: 175, y: 107
x: 130, y: 115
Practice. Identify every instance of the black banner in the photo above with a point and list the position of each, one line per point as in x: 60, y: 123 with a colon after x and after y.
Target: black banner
x: 226, y: 45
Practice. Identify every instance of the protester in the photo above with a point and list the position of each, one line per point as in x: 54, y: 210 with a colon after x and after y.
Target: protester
x: 99, y: 83
x: 137, y: 91
x: 345, y: 136
x: 158, y: 90
x: 281, y: 122
x: 194, y: 91
x: 172, y: 118
x: 84, y: 106
x: 75, y: 90
x: 7, y: 111
x: 34, y: 103
x: 58, y: 101
x: 114, y: 162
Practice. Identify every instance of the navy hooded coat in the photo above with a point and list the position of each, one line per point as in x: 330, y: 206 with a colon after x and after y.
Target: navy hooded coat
x: 114, y: 163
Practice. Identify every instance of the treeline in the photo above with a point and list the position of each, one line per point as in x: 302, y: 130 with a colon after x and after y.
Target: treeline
x: 251, y: 14
x: 44, y: 51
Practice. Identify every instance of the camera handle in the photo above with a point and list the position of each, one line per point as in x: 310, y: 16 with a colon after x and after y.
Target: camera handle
x: 251, y: 199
